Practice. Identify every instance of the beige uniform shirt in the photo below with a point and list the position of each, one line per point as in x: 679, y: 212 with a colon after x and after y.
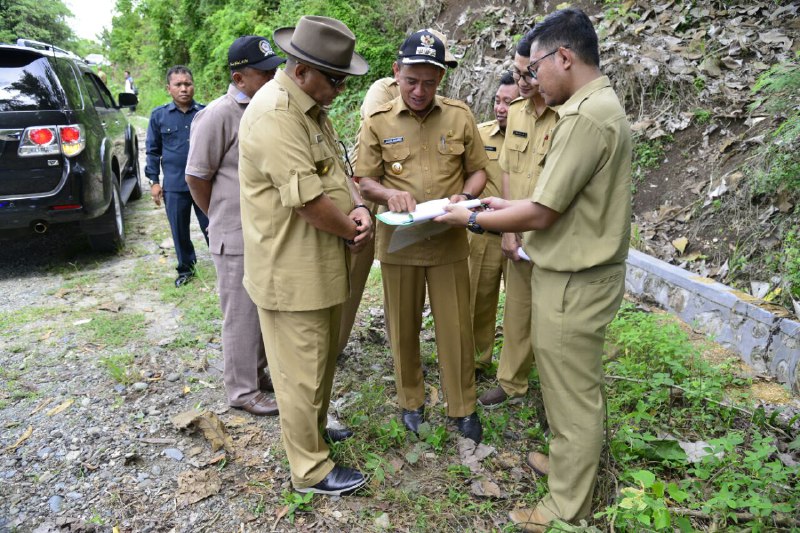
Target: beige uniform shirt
x: 526, y: 143
x: 428, y: 157
x: 288, y: 157
x: 214, y: 155
x: 492, y: 137
x: 587, y: 178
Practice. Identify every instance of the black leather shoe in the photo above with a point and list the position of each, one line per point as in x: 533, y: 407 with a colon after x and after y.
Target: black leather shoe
x: 336, y: 435
x: 470, y: 427
x: 183, y: 279
x: 340, y: 481
x: 412, y: 419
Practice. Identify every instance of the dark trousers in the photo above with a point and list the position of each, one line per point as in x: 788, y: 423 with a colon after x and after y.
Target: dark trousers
x: 179, y: 211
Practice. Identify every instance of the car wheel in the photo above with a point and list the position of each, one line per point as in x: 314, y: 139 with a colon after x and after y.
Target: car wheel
x: 107, y: 232
x: 134, y: 174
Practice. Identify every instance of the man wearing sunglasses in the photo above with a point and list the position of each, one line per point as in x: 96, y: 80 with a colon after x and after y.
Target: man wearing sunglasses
x: 300, y: 221
x: 578, y: 219
x: 421, y: 147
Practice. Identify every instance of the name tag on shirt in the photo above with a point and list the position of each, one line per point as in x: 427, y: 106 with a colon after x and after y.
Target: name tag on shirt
x: 491, y: 148
x: 393, y: 140
x: 520, y: 133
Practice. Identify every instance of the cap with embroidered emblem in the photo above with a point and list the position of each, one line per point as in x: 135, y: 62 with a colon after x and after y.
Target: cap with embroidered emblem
x: 423, y: 47
x: 255, y: 52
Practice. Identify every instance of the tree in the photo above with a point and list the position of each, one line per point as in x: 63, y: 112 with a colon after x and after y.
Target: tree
x: 33, y: 19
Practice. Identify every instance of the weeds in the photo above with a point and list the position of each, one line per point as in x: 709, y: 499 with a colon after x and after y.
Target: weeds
x: 120, y: 367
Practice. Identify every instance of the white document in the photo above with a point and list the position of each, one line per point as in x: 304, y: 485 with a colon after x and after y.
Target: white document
x: 424, y: 211
x: 522, y: 255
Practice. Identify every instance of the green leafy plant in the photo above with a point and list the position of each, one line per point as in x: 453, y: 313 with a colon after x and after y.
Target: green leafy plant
x: 296, y: 503
x: 120, y: 367
x: 702, y: 116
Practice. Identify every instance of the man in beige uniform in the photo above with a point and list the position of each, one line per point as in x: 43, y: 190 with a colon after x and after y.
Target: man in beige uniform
x: 486, y: 261
x: 579, y: 215
x: 530, y: 125
x: 299, y: 216
x: 421, y: 147
x: 212, y: 173
x: 380, y: 92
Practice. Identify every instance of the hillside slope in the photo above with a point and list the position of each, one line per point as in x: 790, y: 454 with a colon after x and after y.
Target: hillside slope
x: 685, y: 74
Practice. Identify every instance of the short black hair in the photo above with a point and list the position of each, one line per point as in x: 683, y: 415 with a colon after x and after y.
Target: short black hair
x: 179, y: 69
x: 524, y: 44
x: 507, y: 79
x: 570, y: 28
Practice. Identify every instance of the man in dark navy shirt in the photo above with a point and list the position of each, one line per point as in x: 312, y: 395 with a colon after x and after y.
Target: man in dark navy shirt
x: 167, y: 149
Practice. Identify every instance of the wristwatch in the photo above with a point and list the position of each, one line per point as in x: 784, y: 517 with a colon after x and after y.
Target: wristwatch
x: 473, y: 225
x: 152, y: 182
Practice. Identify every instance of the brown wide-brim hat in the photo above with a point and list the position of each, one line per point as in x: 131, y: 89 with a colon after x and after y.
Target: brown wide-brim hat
x: 324, y: 43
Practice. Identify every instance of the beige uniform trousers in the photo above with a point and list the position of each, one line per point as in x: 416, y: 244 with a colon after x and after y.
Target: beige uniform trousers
x: 301, y: 350
x: 486, y: 266
x: 360, y: 265
x: 516, y: 357
x: 404, y: 296
x: 570, y: 313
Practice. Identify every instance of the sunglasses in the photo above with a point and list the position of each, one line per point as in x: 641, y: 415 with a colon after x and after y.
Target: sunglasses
x: 335, y: 81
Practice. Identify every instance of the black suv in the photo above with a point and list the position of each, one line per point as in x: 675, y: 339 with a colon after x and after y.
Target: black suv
x: 67, y: 152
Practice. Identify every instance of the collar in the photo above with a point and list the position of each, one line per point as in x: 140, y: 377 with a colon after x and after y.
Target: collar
x: 574, y: 102
x: 307, y: 104
x: 172, y: 107
x: 238, y: 96
x: 496, y: 129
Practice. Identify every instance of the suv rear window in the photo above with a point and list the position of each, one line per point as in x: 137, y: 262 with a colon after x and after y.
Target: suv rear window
x: 28, y: 83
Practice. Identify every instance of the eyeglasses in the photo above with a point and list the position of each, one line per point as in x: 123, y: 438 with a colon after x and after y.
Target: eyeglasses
x: 335, y: 81
x: 521, y: 75
x: 533, y: 71
x: 348, y: 166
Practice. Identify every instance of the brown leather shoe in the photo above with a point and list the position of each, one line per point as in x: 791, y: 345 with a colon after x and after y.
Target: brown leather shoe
x: 529, y: 520
x: 260, y: 405
x: 539, y: 463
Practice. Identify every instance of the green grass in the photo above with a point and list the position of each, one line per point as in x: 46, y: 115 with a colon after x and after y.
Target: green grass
x: 114, y: 329
x: 120, y: 367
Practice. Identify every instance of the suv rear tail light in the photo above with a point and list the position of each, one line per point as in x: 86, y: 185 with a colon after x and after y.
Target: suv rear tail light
x: 50, y: 140
x: 72, y: 139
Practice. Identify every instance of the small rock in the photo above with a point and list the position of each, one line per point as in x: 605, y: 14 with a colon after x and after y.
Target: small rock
x: 73, y: 455
x: 148, y: 374
x: 74, y: 495
x: 156, y: 470
x: 152, y: 411
x: 174, y: 376
x: 142, y: 477
x: 120, y: 388
x: 56, y: 434
x: 94, y: 432
x: 174, y: 453
x: 139, y: 386
x: 382, y: 522
x: 55, y: 503
x: 85, y: 402
x: 44, y: 453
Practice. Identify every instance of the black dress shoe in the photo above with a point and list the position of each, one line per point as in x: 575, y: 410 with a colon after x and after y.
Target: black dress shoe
x: 340, y: 481
x: 470, y: 427
x: 412, y: 419
x: 183, y: 279
x: 336, y: 435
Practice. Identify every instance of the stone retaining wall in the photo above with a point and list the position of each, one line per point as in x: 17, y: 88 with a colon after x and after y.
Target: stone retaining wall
x: 766, y: 342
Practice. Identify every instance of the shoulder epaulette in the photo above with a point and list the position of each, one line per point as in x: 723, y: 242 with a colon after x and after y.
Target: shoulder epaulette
x: 455, y: 103
x: 383, y: 108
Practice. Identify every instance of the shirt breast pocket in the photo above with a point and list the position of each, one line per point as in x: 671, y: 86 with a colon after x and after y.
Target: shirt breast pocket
x: 324, y: 159
x: 450, y: 157
x: 395, y: 160
x: 515, y: 152
x: 171, y: 138
x: 493, y: 153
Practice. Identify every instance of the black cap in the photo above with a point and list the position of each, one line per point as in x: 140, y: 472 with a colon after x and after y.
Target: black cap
x: 253, y: 51
x: 422, y: 47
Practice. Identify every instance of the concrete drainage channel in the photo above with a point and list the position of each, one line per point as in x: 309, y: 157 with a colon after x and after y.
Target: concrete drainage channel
x: 768, y: 343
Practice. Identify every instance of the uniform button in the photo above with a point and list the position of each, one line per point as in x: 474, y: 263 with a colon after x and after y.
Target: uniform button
x: 424, y: 147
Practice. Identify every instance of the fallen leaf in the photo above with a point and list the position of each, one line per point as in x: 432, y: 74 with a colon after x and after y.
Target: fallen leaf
x: 27, y: 433
x: 46, y: 335
x: 186, y: 389
x: 110, y: 306
x: 485, y: 489
x: 44, y: 403
x: 680, y: 244
x: 212, y: 427
x: 194, y: 486
x: 60, y: 408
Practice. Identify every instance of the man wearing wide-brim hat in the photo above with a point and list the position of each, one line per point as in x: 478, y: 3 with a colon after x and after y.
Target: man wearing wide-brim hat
x: 416, y: 148
x: 300, y: 220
